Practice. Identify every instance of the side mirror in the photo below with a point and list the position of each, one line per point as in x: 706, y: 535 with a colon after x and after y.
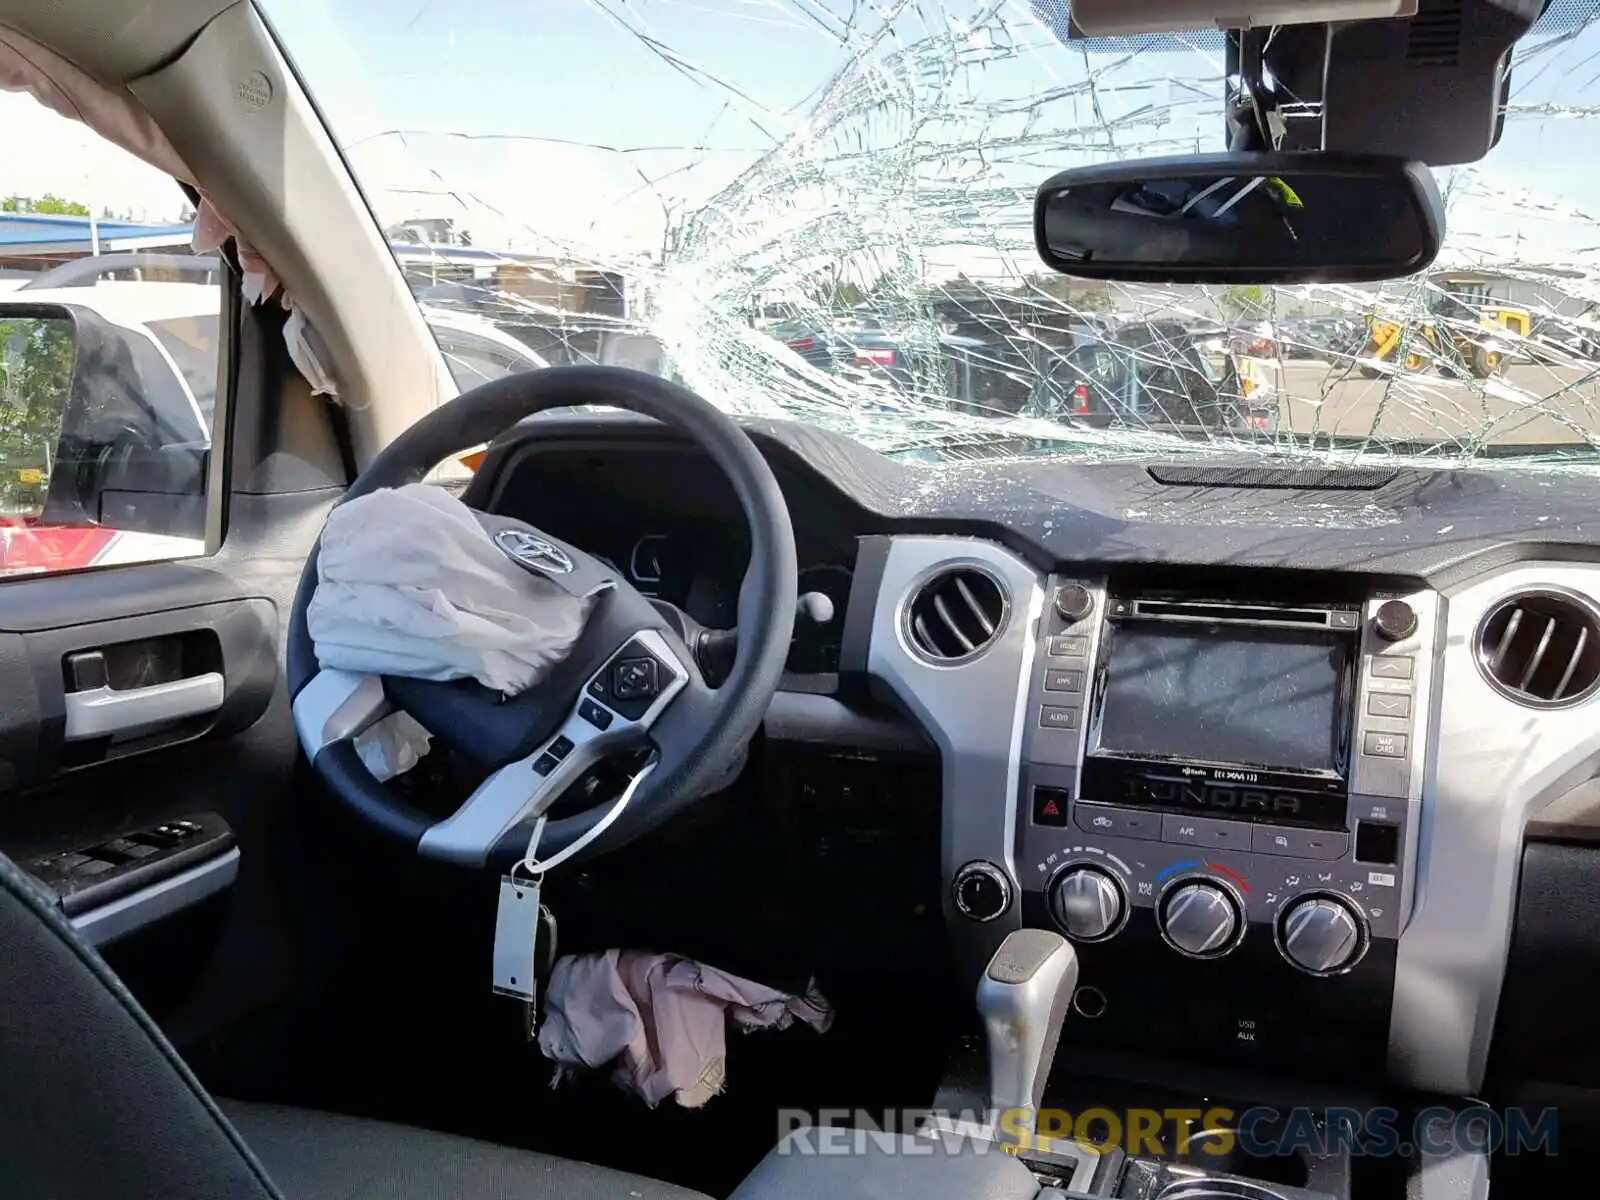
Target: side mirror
x: 1242, y: 218
x: 97, y: 425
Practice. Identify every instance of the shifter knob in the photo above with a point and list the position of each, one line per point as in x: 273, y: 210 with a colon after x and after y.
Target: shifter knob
x: 1023, y: 998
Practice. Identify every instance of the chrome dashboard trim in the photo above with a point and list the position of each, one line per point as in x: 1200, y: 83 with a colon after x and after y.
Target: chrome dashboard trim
x: 135, y: 911
x: 1492, y: 765
x: 975, y: 712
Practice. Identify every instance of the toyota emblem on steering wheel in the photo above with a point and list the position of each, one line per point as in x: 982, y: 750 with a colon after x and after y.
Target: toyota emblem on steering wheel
x: 534, y: 552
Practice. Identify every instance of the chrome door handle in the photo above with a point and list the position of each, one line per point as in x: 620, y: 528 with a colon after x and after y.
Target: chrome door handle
x: 101, y: 711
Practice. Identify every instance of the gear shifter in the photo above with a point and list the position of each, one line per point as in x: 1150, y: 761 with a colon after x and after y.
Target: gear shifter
x: 1023, y: 998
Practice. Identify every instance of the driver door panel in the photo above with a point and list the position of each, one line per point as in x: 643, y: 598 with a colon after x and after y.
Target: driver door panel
x: 144, y: 739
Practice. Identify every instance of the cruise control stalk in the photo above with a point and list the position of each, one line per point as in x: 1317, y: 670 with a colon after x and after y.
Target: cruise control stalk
x: 714, y: 649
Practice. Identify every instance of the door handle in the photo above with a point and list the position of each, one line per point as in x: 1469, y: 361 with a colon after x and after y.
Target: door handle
x: 102, y: 711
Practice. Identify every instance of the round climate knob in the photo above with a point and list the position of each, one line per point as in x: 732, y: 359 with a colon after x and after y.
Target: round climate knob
x: 1087, y: 903
x: 1394, y: 620
x: 1321, y: 934
x: 1201, y: 920
x: 981, y: 891
x: 1074, y: 602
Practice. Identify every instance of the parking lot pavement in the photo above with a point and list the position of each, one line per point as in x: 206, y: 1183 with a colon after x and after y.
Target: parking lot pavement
x: 1528, y: 403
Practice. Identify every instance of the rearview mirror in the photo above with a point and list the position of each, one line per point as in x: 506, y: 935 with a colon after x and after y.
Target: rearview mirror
x: 1242, y: 218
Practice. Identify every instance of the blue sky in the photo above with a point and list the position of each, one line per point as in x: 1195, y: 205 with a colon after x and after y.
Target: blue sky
x: 526, y: 79
x: 533, y: 82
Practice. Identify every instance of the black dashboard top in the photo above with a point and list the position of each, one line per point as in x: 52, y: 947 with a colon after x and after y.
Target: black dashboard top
x: 1399, y: 522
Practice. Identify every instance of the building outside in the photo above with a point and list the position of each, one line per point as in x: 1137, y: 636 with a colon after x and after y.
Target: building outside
x: 35, y: 242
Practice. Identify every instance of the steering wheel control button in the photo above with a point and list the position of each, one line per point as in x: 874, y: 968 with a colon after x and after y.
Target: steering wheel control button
x: 1050, y: 806
x: 560, y: 748
x: 597, y: 716
x: 1060, y: 679
x: 597, y: 687
x: 1118, y: 822
x: 981, y: 891
x: 1383, y: 745
x: 1395, y: 620
x: 545, y: 763
x: 1391, y: 666
x: 634, y: 679
x: 1054, y: 717
x: 1074, y: 602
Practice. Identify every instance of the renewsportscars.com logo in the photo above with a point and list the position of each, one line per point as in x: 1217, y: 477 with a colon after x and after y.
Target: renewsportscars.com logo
x: 1160, y: 1133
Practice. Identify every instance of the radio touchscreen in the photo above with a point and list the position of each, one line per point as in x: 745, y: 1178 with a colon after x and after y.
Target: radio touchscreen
x: 1229, y: 694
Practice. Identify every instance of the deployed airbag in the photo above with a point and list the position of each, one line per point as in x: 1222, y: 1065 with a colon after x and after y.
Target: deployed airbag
x: 408, y: 583
x: 662, y: 1020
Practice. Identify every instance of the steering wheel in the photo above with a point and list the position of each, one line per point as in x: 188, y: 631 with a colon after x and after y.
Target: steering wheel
x: 629, y: 684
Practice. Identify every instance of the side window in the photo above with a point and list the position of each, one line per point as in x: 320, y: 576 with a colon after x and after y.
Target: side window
x: 192, y: 342
x: 109, y: 354
x: 475, y: 358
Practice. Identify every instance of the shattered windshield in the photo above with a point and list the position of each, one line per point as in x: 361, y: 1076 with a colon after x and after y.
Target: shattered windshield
x: 821, y: 210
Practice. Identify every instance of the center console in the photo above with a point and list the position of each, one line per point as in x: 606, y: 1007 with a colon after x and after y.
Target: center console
x: 1217, y: 801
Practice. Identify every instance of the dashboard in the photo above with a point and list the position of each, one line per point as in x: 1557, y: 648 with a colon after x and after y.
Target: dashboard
x: 667, y: 521
x: 1267, y: 742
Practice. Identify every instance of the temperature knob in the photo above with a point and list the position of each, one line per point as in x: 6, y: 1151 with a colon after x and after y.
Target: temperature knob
x: 1321, y: 935
x: 1087, y: 903
x: 1201, y: 920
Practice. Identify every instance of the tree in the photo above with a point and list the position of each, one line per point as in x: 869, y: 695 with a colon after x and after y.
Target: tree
x: 831, y: 292
x: 47, y: 204
x: 1073, y: 295
x: 1243, y: 302
x: 1057, y: 287
x: 36, y: 359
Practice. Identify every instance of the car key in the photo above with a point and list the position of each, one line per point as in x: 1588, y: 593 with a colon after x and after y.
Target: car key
x: 544, y: 963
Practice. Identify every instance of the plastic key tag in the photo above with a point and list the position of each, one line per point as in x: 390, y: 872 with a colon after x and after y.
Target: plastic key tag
x: 516, y: 938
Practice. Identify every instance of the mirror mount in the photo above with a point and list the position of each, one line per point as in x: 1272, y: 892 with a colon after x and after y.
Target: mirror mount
x: 1242, y: 218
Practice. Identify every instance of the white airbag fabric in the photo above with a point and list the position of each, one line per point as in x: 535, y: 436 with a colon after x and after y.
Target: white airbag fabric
x: 661, y: 1019
x: 408, y: 583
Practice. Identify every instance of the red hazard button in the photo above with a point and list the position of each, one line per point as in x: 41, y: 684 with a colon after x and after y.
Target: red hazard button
x: 1050, y: 806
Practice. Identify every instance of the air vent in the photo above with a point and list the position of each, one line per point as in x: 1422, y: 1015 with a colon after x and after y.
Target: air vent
x: 1541, y: 648
x: 1435, y: 37
x: 1308, y: 478
x: 956, y: 614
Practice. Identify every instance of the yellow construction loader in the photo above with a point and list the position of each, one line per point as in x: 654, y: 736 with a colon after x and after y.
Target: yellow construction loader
x: 1465, y: 326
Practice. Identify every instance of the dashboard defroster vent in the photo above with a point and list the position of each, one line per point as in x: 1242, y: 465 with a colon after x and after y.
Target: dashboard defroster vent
x: 954, y: 614
x: 1541, y: 649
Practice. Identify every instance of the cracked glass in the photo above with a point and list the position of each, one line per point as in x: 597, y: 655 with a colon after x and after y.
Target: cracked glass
x: 821, y: 211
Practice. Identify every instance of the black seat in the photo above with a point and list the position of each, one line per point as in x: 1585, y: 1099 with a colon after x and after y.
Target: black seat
x: 95, y: 1101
